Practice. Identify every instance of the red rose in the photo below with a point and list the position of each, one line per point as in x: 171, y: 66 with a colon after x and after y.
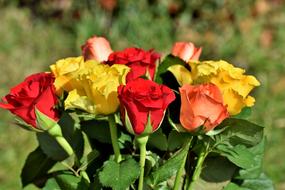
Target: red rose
x: 140, y: 61
x: 144, y: 100
x: 37, y: 91
x: 201, y: 105
x: 186, y: 51
x: 96, y: 48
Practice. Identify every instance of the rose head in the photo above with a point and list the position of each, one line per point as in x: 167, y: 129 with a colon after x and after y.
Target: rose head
x: 97, y: 89
x: 140, y: 61
x: 186, y: 51
x: 96, y: 48
x: 143, y: 103
x: 201, y: 105
x: 66, y: 72
x: 37, y: 91
x: 234, y: 85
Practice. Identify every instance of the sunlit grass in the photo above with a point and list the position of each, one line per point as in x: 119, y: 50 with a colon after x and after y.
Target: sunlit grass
x: 26, y: 47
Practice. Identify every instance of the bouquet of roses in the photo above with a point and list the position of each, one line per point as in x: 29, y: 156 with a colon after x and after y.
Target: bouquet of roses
x: 127, y: 120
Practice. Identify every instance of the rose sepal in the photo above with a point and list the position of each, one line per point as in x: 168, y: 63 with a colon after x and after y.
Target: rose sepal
x: 53, y: 128
x: 176, y: 126
x: 198, y: 131
x: 19, y: 122
x: 128, y: 123
x: 148, y: 127
x: 216, y: 131
x: 43, y: 122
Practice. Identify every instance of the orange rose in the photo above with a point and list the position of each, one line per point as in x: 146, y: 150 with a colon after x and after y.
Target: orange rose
x: 186, y: 51
x: 201, y: 105
x: 96, y: 48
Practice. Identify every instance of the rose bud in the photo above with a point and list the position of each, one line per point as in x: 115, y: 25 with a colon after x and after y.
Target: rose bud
x: 143, y: 104
x: 36, y: 92
x: 186, y: 51
x: 96, y: 48
x: 141, y: 62
x: 201, y: 105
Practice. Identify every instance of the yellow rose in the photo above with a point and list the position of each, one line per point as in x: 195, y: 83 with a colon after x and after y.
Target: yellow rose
x: 97, y: 93
x: 233, y: 83
x: 66, y: 72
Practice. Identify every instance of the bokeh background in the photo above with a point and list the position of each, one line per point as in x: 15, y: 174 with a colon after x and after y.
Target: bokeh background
x: 247, y: 33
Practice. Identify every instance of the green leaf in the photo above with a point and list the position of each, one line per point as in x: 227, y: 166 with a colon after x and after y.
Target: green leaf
x: 162, y: 186
x: 84, y: 116
x: 83, y: 184
x: 261, y: 183
x: 30, y: 187
x: 67, y: 124
x: 236, y: 140
x: 168, y: 169
x: 216, y: 173
x: 68, y: 130
x: 176, y: 139
x: 124, y: 139
x: 97, y: 129
x: 96, y: 185
x: 36, y: 166
x: 67, y: 181
x: 72, y: 134
x: 76, y: 141
x: 119, y: 176
x: 239, y: 132
x: 256, y: 169
x: 158, y: 140
x: 165, y: 64
x: 239, y: 155
x: 244, y: 114
x: 51, y: 184
x: 88, y: 159
x: 151, y: 161
x: 205, y: 185
x: 217, y: 169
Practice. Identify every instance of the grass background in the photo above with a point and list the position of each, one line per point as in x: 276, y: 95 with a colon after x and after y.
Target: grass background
x: 247, y: 33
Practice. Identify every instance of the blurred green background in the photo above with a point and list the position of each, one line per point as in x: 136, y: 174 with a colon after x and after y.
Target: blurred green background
x: 247, y: 33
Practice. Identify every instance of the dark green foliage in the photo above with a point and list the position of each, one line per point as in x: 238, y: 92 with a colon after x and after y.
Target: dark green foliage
x: 119, y: 176
x: 36, y: 168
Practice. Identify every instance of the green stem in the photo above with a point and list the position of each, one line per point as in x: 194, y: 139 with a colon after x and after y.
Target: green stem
x: 142, y: 141
x: 65, y: 145
x: 198, y: 169
x: 187, y: 182
x: 179, y: 174
x: 56, y: 133
x: 114, y: 138
x: 70, y: 168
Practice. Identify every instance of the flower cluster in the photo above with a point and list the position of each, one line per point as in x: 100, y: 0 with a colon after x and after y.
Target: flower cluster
x: 128, y: 88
